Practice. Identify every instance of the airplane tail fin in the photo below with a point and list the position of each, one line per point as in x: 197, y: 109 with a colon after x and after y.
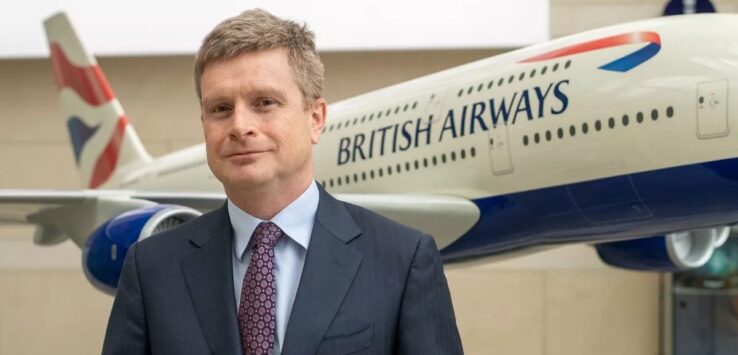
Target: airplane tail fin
x: 101, y: 137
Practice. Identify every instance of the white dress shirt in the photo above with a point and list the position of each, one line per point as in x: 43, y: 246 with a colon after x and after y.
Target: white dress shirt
x: 296, y: 221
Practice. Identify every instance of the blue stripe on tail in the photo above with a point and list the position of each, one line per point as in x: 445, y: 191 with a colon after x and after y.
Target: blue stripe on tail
x: 80, y: 134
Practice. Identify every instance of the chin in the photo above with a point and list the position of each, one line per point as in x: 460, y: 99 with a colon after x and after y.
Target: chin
x: 247, y: 182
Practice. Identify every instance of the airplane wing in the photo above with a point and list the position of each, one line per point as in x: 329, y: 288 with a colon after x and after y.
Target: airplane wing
x: 24, y: 206
x: 21, y: 206
x: 446, y: 218
x: 76, y: 213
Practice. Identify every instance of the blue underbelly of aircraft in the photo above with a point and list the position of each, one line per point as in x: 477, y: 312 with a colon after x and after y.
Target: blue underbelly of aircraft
x: 628, y: 206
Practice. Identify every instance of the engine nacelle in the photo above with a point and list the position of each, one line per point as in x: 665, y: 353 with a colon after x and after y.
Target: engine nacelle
x: 106, y: 248
x: 671, y: 252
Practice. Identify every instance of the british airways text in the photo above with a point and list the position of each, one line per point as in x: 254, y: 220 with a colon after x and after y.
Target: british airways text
x: 527, y: 104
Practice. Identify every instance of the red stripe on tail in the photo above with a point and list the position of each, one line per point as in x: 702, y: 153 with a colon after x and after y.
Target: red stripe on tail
x: 88, y: 82
x: 106, y: 162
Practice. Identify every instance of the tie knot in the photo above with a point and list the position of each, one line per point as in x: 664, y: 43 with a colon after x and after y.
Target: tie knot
x: 267, y: 233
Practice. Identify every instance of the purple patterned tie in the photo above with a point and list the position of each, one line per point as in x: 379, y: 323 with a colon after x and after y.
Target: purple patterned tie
x: 256, y: 313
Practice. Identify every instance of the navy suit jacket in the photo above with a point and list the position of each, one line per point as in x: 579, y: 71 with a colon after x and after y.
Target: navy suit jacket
x: 369, y: 286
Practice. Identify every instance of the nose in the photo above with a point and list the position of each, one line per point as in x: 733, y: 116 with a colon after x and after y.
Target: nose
x: 243, y: 124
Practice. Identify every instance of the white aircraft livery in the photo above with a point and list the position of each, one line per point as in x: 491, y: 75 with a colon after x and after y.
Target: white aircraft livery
x: 618, y: 137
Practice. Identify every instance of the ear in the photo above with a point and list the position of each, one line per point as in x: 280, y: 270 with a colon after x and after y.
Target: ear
x: 318, y: 115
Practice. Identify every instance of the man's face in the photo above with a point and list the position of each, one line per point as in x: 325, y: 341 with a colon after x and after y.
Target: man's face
x: 257, y: 131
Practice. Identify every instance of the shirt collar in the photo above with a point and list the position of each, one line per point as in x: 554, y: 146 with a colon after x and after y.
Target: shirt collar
x: 296, y: 220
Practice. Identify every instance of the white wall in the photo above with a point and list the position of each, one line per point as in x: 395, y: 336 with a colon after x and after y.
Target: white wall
x: 143, y: 27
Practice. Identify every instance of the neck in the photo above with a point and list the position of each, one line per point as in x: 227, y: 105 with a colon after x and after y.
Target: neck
x: 265, y: 202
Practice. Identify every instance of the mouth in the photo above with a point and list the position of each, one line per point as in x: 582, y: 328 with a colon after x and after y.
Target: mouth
x: 248, y: 154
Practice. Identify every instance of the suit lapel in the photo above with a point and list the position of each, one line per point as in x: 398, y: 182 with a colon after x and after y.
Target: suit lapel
x: 330, y: 267
x: 208, y: 272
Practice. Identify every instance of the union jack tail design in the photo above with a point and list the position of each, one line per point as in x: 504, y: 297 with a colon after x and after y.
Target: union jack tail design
x: 102, y: 139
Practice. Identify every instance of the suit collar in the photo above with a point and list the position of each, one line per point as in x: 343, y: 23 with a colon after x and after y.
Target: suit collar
x: 334, y: 216
x: 208, y: 273
x: 330, y: 267
x: 209, y: 225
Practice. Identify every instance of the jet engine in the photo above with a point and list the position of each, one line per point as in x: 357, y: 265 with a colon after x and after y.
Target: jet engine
x: 106, y: 248
x: 671, y: 252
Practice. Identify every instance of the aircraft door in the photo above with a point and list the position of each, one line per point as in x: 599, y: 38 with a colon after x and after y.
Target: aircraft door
x: 499, y: 149
x: 712, y: 109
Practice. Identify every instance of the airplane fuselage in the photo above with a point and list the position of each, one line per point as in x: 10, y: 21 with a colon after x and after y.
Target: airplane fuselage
x: 554, y: 143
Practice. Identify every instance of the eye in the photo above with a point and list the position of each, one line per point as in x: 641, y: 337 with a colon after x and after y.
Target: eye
x: 266, y: 102
x: 220, y: 109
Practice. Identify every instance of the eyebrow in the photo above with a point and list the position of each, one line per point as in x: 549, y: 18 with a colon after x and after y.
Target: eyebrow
x: 257, y: 92
x: 207, y: 100
x: 269, y: 91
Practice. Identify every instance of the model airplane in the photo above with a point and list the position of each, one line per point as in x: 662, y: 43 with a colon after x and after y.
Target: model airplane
x: 618, y: 137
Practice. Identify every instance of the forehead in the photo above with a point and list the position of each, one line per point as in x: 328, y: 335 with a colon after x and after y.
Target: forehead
x: 249, y: 71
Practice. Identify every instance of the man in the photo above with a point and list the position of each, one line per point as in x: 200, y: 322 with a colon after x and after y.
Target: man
x: 282, y: 267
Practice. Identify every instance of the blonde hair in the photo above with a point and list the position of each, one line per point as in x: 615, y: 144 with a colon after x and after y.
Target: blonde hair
x: 255, y: 30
